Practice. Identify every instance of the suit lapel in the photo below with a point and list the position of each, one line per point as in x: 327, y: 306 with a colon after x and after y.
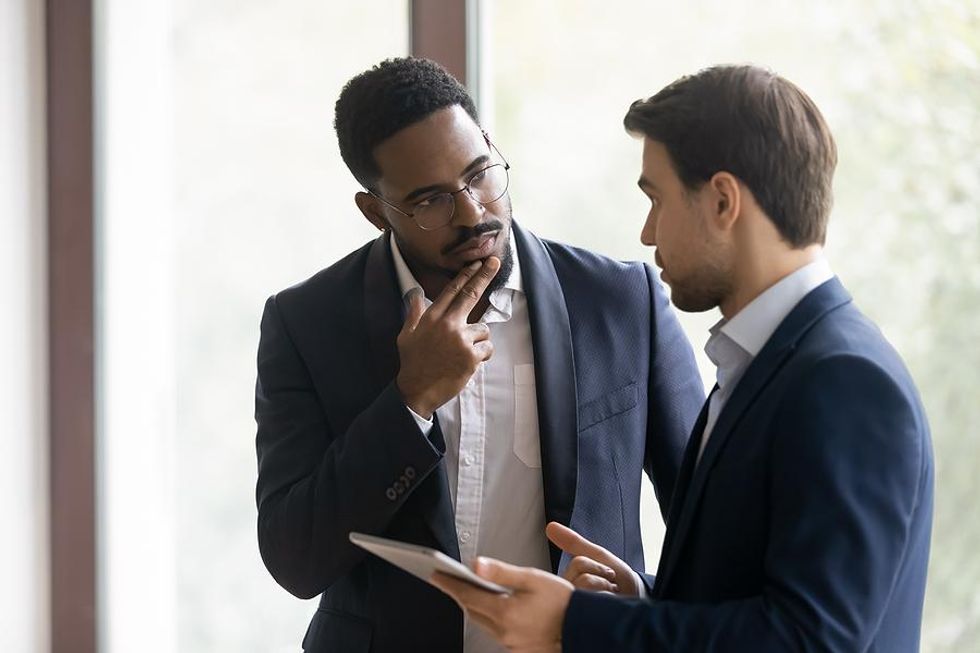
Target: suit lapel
x: 554, y: 370
x: 682, y: 484
x: 384, y: 314
x: 771, y: 358
x: 384, y: 310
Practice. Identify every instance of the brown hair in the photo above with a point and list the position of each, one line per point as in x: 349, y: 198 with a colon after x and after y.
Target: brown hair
x: 754, y: 124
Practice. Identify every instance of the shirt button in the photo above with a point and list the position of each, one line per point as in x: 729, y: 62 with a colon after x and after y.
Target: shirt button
x: 464, y: 537
x: 467, y: 460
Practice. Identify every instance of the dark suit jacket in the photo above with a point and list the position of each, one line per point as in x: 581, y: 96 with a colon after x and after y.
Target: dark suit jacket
x: 617, y: 391
x: 805, y: 527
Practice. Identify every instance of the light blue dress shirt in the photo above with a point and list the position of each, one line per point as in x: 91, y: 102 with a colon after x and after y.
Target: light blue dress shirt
x: 736, y: 342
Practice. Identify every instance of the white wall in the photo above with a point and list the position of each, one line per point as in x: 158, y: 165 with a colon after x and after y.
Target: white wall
x: 23, y: 336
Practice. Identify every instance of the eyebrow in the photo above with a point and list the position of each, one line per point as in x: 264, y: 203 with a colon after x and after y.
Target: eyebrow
x: 474, y: 164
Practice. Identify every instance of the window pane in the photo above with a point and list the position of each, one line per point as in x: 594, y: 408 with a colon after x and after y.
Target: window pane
x: 899, y: 84
x: 220, y: 183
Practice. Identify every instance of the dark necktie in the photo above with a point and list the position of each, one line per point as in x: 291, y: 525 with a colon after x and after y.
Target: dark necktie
x: 684, y: 476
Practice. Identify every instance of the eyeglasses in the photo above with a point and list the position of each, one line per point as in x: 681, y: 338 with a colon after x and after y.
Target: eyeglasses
x: 485, y: 186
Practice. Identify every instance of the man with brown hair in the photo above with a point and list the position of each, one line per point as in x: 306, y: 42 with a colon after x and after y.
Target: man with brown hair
x: 802, y: 513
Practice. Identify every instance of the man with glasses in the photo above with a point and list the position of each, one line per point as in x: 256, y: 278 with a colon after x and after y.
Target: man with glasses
x: 456, y: 383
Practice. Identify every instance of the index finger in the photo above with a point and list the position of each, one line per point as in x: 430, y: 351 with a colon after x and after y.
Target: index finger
x: 453, y: 288
x: 571, y: 542
x: 468, y: 296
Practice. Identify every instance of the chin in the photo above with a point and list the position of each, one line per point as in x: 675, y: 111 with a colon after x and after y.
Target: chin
x: 692, y: 301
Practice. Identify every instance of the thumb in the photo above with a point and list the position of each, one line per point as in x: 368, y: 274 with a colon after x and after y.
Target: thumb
x: 502, y: 573
x: 574, y: 544
x: 416, y: 306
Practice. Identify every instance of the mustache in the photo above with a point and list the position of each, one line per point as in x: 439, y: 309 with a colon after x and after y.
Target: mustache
x: 468, y: 233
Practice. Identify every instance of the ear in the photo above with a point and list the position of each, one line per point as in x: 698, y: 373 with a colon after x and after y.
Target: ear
x: 371, y: 208
x: 726, y: 199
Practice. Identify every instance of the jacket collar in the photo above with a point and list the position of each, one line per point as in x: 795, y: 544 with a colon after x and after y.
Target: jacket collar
x: 773, y: 355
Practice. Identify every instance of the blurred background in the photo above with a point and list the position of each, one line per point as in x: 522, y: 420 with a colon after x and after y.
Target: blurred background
x: 169, y: 164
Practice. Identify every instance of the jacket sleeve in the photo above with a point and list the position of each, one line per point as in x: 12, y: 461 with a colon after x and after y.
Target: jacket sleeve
x: 676, y: 394
x: 315, y: 486
x: 849, y: 470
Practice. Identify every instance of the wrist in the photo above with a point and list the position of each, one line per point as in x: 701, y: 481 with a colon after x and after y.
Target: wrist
x: 415, y: 403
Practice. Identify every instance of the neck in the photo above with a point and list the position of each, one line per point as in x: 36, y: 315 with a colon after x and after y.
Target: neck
x: 758, y: 269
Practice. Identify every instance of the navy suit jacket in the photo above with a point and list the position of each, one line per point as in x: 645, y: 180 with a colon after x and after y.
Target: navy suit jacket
x: 617, y: 391
x: 806, y: 524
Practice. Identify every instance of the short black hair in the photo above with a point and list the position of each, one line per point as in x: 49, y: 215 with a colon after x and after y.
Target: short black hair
x: 756, y: 125
x: 380, y: 102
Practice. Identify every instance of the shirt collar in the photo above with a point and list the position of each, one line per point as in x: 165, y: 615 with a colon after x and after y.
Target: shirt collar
x: 728, y: 356
x: 501, y: 300
x: 752, y: 326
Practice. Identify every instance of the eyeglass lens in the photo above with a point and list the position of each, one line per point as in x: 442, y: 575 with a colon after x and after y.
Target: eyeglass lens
x: 486, y: 187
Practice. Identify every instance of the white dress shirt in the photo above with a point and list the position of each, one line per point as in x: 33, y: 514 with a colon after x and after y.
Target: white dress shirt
x: 493, y: 451
x: 736, y: 342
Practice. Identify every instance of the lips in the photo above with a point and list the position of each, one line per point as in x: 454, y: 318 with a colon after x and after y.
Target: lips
x: 660, y: 264
x: 476, y: 248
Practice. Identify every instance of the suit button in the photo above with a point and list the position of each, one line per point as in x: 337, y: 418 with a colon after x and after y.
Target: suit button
x: 410, y: 472
x: 390, y: 493
x: 405, y: 480
x: 399, y: 488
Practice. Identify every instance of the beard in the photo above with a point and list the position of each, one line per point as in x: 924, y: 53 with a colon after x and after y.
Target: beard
x: 703, y: 289
x: 506, y: 256
x: 506, y: 266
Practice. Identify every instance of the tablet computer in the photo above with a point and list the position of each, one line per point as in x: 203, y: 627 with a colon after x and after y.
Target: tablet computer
x: 422, y: 561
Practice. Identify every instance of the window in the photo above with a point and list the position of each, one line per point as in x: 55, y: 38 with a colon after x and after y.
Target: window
x: 220, y: 183
x: 899, y: 85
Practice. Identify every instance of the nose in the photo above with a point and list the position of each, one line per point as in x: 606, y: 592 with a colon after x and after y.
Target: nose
x: 467, y: 211
x: 648, y: 234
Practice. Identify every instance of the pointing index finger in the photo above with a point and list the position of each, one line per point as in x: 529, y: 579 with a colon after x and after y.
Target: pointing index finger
x: 571, y: 542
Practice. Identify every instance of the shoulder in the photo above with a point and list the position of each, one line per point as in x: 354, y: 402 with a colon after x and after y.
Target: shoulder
x: 583, y: 271
x: 846, y: 338
x: 330, y: 300
x: 329, y: 285
x: 845, y: 364
x: 572, y: 258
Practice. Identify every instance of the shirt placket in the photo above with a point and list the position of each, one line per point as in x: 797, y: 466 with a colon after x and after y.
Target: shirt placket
x: 469, y: 488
